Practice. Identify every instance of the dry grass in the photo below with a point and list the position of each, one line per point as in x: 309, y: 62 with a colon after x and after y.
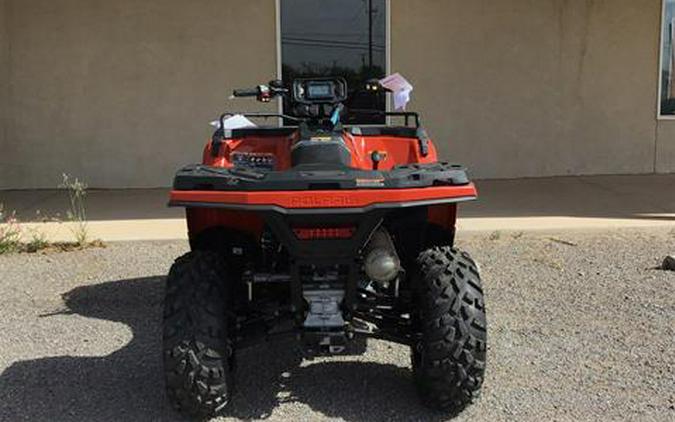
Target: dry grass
x: 77, y: 191
x: 10, y: 231
x: 13, y: 234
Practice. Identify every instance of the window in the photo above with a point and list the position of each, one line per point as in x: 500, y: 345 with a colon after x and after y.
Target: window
x: 667, y: 107
x: 336, y: 38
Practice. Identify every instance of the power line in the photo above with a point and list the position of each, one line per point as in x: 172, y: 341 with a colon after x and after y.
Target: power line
x: 344, y: 47
x: 332, y: 42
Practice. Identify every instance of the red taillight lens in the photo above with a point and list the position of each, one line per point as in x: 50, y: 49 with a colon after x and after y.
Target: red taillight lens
x: 313, y: 233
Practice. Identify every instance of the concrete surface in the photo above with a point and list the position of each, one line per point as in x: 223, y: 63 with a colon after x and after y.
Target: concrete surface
x: 572, y: 203
x: 120, y: 93
x: 561, y: 203
x: 578, y: 331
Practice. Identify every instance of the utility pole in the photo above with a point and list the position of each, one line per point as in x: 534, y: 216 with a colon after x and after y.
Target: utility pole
x: 370, y: 33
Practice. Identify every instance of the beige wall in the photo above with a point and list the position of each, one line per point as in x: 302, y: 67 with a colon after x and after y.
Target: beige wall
x: 665, y: 149
x: 119, y: 92
x: 535, y: 87
x: 4, y: 79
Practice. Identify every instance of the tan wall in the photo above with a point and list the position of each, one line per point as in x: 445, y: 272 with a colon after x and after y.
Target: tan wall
x: 4, y: 80
x: 535, y: 87
x: 665, y: 149
x: 120, y: 92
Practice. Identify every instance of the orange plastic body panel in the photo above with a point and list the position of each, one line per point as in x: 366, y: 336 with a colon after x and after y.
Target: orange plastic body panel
x: 278, y: 146
x: 394, y: 150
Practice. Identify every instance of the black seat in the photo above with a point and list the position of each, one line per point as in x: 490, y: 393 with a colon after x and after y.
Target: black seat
x: 330, y: 151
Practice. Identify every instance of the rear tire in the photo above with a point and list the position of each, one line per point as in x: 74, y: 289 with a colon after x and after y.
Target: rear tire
x: 449, y: 355
x: 196, y: 341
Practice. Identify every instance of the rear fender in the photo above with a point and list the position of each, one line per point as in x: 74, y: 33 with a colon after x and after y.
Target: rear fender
x: 419, y: 228
x: 201, y: 219
x: 444, y: 215
x: 235, y: 234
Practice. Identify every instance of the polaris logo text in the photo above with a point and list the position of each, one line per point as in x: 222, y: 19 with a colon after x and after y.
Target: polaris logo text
x: 323, y: 201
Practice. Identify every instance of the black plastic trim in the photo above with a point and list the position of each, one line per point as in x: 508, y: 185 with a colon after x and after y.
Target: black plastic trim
x: 260, y: 131
x: 396, y: 131
x: 313, y: 177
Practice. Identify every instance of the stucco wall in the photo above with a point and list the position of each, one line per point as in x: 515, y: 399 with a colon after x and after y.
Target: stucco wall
x: 120, y: 92
x: 665, y: 149
x: 535, y: 87
x: 4, y: 81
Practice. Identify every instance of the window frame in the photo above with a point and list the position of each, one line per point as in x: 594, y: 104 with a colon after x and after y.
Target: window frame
x: 387, y: 59
x: 662, y: 43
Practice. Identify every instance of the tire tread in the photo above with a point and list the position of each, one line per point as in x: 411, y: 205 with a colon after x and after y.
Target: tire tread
x: 449, y: 358
x: 196, y: 343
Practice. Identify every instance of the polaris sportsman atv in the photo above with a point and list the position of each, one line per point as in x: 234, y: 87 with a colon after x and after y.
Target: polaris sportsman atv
x: 328, y: 234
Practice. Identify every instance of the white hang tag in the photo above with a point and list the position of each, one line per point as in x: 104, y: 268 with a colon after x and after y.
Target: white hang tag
x: 401, y: 89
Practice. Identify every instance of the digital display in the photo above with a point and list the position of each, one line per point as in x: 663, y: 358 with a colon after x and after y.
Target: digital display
x: 324, y: 90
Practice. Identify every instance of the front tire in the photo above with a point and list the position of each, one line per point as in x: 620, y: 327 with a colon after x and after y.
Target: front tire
x: 196, y: 342
x: 449, y: 355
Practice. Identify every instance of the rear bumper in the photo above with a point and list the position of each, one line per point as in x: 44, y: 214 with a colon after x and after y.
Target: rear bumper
x: 311, y: 177
x: 323, y: 201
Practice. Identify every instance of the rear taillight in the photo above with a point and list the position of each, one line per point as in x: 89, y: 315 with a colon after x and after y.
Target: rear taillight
x: 313, y: 233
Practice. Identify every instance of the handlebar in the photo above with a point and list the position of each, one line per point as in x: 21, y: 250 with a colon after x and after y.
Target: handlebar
x: 263, y: 93
x: 312, y: 97
x: 251, y: 92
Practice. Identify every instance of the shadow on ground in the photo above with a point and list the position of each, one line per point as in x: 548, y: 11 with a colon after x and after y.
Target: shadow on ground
x: 128, y: 385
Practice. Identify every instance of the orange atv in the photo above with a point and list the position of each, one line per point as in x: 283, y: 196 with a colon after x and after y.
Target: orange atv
x: 328, y: 234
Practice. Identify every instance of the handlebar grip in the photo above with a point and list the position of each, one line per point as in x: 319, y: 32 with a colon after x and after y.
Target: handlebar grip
x: 253, y: 92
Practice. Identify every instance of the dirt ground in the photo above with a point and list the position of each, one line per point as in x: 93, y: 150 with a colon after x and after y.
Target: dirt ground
x: 581, y: 327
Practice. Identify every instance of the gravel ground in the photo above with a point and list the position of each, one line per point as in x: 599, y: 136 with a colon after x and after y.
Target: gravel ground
x: 582, y: 327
